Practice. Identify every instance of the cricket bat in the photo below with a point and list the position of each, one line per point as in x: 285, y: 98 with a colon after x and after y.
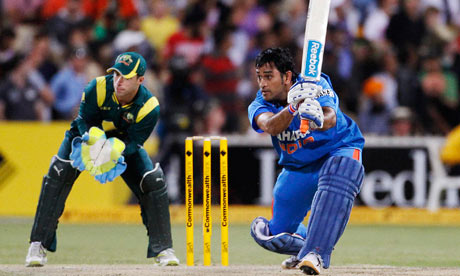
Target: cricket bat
x: 313, y: 46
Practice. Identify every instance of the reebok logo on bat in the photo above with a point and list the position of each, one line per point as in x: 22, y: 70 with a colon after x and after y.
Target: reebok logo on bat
x: 312, y: 60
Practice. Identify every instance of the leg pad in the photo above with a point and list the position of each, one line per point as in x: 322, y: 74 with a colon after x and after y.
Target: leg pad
x: 155, y: 205
x: 339, y: 183
x: 283, y: 243
x: 55, y: 190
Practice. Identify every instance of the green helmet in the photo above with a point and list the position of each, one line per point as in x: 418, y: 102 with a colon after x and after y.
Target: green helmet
x: 129, y: 64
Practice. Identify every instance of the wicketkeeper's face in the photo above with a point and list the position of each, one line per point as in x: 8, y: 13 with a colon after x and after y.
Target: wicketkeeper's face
x: 273, y: 85
x: 125, y: 87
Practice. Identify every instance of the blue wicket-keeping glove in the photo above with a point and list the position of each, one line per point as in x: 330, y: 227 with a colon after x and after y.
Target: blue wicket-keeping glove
x: 100, y: 156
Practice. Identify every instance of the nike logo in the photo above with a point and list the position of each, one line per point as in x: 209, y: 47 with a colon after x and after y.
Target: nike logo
x: 57, y: 170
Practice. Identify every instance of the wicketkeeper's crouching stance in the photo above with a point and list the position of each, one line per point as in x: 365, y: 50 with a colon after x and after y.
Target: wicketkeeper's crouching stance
x: 119, y: 98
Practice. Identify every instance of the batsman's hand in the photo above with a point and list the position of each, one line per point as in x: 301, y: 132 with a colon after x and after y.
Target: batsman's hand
x: 311, y: 110
x: 100, y: 156
x: 302, y: 90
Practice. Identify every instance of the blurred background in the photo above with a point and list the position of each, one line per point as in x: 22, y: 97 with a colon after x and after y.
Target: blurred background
x: 394, y: 64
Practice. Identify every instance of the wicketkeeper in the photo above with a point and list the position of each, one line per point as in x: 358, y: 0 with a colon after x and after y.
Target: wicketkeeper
x: 121, y: 99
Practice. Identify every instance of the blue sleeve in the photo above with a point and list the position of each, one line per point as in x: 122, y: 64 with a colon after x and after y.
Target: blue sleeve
x: 327, y: 97
x: 255, y: 109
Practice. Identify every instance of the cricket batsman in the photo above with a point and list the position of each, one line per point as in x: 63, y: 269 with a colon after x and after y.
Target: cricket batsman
x: 322, y: 168
x: 120, y: 100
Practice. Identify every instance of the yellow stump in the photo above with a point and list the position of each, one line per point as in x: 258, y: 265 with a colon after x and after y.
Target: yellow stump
x: 189, y: 199
x: 207, y: 222
x: 224, y: 200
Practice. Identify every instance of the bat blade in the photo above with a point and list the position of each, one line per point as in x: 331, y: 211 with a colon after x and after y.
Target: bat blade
x: 313, y: 46
x: 315, y: 38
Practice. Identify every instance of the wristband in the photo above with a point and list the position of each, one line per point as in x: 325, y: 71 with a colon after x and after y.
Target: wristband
x: 293, y: 110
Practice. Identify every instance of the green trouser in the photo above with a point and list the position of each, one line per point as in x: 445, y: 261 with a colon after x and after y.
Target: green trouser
x: 151, y: 191
x: 153, y: 198
x: 56, y: 187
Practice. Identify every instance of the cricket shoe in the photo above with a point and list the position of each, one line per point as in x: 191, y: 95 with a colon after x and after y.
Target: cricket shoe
x: 36, y: 255
x: 311, y: 264
x: 290, y: 263
x: 166, y: 258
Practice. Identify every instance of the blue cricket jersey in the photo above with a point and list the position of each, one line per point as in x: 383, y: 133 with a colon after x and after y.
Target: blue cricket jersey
x: 297, y: 150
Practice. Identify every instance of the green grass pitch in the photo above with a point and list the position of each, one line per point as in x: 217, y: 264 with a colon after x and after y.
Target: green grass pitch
x: 126, y: 244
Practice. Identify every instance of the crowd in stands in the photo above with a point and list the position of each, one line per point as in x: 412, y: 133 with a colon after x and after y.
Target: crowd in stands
x: 394, y: 64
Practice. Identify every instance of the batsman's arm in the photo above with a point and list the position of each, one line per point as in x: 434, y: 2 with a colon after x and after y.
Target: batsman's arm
x: 330, y: 118
x: 274, y: 124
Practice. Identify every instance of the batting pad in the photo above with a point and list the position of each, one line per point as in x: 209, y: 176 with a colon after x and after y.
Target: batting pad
x: 283, y: 243
x: 339, y: 183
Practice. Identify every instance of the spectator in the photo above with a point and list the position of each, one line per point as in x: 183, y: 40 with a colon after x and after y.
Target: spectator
x: 405, y: 32
x: 21, y: 94
x: 46, y: 64
x: 377, y: 21
x: 133, y: 39
x: 68, y: 85
x: 184, y: 100
x: 221, y: 79
x: 68, y: 18
x: 380, y: 97
x: 346, y: 17
x: 437, y: 35
x: 364, y: 7
x: 97, y: 9
x: 22, y: 10
x: 294, y: 13
x: 159, y: 25
x: 359, y: 30
x: 364, y: 65
x: 338, y: 62
x: 183, y: 109
x: 402, y: 122
x: 189, y: 41
x: 106, y: 28
x: 449, y: 10
x: 251, y: 17
x: 7, y: 51
x: 441, y: 97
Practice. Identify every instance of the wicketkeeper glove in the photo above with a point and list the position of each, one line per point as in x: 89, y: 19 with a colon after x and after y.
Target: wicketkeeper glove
x: 100, y: 156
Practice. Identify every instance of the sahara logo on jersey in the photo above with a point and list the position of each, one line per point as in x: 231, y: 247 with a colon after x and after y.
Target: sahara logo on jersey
x: 312, y: 60
x: 326, y: 92
x: 291, y: 135
x: 291, y: 141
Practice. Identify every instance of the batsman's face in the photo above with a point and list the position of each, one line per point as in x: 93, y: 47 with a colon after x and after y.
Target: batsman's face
x: 273, y: 85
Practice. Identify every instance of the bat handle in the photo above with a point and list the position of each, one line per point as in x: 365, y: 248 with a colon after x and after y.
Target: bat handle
x: 304, y: 126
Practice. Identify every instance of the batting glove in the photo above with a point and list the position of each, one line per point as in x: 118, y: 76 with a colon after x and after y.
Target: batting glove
x: 311, y: 110
x: 302, y: 90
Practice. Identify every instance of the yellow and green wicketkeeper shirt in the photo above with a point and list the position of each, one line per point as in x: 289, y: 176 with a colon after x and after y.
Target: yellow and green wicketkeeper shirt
x: 132, y: 123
